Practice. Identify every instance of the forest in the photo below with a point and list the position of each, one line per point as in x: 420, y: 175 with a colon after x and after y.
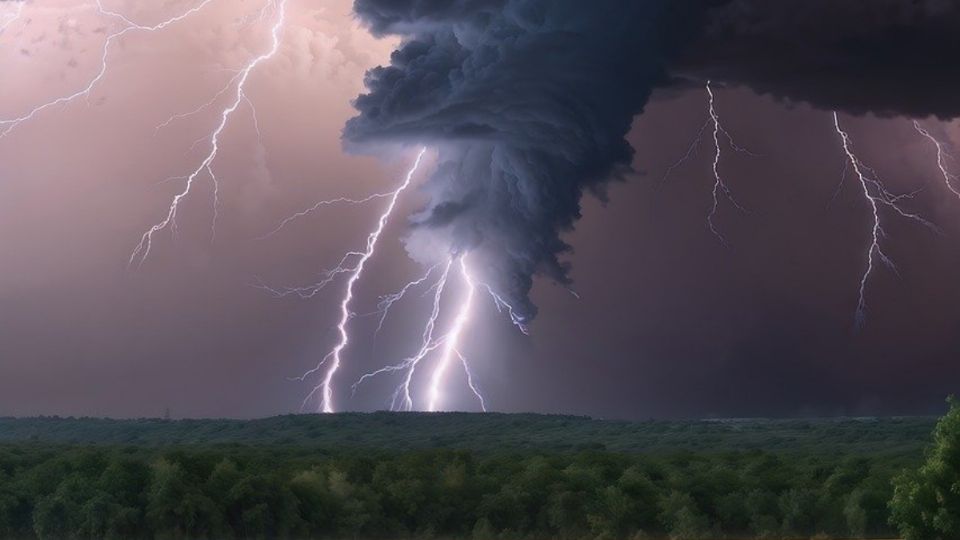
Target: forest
x: 490, y: 432
x: 74, y: 478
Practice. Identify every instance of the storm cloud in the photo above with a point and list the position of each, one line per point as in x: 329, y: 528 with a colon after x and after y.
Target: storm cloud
x: 528, y: 101
x: 887, y: 57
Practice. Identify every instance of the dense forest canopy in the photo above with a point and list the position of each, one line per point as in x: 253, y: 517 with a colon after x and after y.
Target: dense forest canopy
x: 491, y: 432
x: 246, y: 492
x: 451, y: 476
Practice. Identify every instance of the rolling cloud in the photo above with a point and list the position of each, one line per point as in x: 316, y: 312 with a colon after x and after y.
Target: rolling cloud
x: 528, y: 101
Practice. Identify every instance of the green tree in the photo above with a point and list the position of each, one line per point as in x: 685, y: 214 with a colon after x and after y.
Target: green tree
x: 317, y: 505
x: 177, y: 509
x: 926, y: 502
x: 797, y: 508
x: 682, y: 519
x: 60, y: 514
x: 9, y: 503
x: 260, y: 506
x: 627, y: 508
x: 856, y: 515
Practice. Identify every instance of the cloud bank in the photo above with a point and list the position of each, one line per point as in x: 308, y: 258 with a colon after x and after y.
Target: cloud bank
x: 528, y: 101
x: 887, y: 57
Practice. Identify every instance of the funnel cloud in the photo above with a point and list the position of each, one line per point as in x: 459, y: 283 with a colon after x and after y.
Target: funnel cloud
x: 529, y: 101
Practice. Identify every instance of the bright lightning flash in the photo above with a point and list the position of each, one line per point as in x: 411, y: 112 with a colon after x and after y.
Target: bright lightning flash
x: 719, y: 185
x: 448, y: 344
x: 877, y: 196
x: 452, y: 341
x: 334, y: 356
x: 387, y: 301
x: 142, y: 251
x: 948, y: 177
x: 402, y: 397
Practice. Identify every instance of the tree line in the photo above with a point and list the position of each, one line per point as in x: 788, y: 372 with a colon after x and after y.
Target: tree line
x: 248, y: 492
x: 292, y: 490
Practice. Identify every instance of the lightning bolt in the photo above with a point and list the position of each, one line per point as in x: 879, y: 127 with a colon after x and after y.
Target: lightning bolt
x: 142, y: 250
x: 387, y: 301
x: 12, y: 17
x: 877, y: 196
x: 321, y: 204
x: 470, y: 383
x: 691, y: 151
x: 328, y: 276
x: 719, y: 185
x: 875, y: 250
x: 448, y: 344
x: 8, y: 125
x: 402, y: 397
x: 451, y: 342
x: 948, y: 177
x: 334, y: 356
x: 503, y: 306
x: 216, y: 97
x: 429, y: 344
x: 383, y: 306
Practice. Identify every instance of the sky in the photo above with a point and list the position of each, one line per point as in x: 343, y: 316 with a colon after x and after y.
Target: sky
x: 667, y: 320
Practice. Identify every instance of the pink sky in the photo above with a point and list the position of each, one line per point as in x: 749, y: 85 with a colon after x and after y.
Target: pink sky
x: 80, y: 333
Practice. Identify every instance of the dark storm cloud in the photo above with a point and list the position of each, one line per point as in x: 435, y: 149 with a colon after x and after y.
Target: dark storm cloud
x: 890, y: 57
x: 529, y: 101
x: 403, y: 16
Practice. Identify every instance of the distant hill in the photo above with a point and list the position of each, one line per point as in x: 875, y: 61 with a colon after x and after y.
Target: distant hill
x: 490, y: 432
